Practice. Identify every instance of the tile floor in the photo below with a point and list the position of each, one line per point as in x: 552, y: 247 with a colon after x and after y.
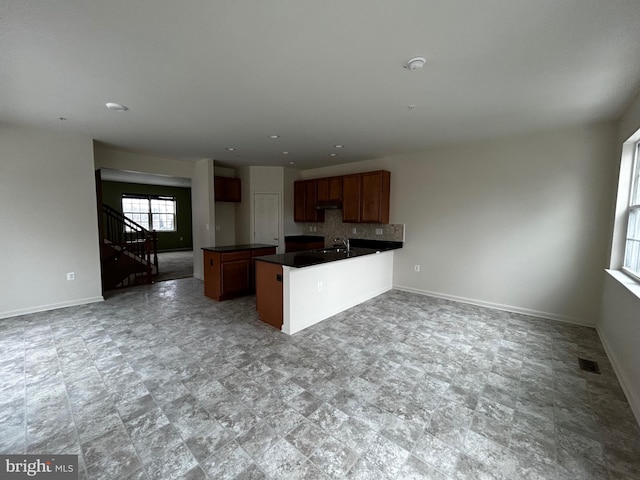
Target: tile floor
x: 160, y: 382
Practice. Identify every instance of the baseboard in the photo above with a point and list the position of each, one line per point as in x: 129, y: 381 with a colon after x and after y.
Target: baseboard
x: 634, y: 401
x: 498, y: 306
x: 51, y: 306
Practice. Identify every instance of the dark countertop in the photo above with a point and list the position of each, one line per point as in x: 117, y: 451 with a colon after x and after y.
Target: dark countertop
x: 303, y: 238
x: 238, y: 248
x: 316, y: 257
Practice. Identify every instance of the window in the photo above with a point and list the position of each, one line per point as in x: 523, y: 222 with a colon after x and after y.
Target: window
x: 153, y: 212
x: 632, y: 248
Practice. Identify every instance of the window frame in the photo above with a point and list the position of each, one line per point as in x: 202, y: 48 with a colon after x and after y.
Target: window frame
x: 633, y: 205
x: 149, y: 211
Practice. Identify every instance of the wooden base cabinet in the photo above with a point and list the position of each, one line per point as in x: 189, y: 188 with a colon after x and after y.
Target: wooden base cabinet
x: 231, y: 274
x: 269, y: 296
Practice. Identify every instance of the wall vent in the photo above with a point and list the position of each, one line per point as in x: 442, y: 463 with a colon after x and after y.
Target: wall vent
x: 589, y: 365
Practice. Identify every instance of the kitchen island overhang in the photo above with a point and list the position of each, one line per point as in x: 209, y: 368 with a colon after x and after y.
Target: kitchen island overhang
x: 316, y: 292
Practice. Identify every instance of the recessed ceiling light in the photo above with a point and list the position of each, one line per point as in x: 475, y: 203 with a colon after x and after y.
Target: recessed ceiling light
x: 333, y: 154
x: 285, y: 153
x: 416, y: 63
x: 338, y: 146
x: 230, y: 149
x: 274, y: 136
x: 292, y: 163
x: 116, y: 107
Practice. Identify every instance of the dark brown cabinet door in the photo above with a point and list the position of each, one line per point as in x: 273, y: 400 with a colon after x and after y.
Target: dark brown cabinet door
x: 351, y: 198
x: 235, y: 276
x: 375, y: 197
x: 227, y: 189
x: 310, y: 188
x: 269, y: 295
x: 304, y: 202
x: 329, y: 189
x: 233, y: 191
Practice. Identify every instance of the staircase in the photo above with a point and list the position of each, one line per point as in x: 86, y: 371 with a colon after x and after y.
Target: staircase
x: 128, y: 252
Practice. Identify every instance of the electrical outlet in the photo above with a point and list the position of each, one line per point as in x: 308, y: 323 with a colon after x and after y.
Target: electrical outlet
x: 181, y: 239
x: 378, y: 231
x: 319, y: 286
x: 353, y: 230
x: 416, y: 268
x: 71, y: 276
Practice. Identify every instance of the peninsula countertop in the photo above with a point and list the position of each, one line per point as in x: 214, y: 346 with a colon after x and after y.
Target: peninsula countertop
x: 308, y: 258
x: 238, y: 248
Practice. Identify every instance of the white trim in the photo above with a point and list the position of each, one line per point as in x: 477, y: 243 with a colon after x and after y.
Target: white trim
x: 498, y: 306
x: 51, y: 306
x: 626, y: 281
x: 634, y: 402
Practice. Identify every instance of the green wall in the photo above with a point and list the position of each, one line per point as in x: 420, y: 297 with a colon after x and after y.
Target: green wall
x: 112, y: 195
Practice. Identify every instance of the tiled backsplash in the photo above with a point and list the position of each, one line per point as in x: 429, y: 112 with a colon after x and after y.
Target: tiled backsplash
x: 333, y: 227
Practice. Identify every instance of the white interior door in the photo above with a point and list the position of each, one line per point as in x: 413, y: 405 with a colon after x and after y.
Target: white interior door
x: 266, y: 218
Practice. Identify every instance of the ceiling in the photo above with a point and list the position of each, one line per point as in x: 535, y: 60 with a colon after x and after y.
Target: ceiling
x: 202, y: 76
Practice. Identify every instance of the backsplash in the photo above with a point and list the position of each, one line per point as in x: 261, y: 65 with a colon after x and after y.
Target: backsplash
x: 334, y: 227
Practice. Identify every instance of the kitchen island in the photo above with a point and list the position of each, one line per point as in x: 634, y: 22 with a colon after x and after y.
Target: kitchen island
x: 297, y: 290
x: 229, y: 271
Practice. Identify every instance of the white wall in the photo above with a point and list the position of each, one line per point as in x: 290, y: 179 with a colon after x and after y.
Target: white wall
x: 261, y: 180
x: 315, y: 293
x: 203, y: 213
x: 289, y: 227
x: 49, y: 221
x: 619, y: 322
x: 116, y: 159
x: 519, y: 223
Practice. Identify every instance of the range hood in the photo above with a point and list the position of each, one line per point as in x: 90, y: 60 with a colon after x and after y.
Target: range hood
x: 328, y: 205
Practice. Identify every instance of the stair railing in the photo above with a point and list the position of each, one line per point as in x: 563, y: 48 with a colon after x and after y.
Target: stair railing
x: 131, y: 237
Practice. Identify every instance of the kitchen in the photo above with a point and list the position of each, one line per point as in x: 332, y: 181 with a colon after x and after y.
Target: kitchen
x: 504, y: 155
x: 351, y: 203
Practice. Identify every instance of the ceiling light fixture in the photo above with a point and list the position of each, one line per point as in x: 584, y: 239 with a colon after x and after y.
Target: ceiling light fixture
x: 116, y: 107
x: 333, y: 154
x: 274, y: 136
x: 230, y: 149
x: 285, y: 153
x: 338, y: 146
x: 416, y: 63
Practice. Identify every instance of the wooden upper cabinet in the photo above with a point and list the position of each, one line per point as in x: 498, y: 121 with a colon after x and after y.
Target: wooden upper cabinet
x: 375, y: 197
x: 364, y: 197
x: 227, y: 189
x: 351, y: 198
x: 310, y: 192
x: 329, y: 189
x: 305, y: 197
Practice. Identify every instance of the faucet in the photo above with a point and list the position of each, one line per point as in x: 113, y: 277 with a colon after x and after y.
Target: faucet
x: 344, y: 241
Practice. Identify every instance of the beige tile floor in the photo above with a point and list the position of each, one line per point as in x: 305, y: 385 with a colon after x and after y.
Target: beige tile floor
x: 160, y: 382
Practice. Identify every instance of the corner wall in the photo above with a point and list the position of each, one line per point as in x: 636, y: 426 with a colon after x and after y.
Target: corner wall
x: 49, y: 221
x: 518, y: 223
x: 619, y: 322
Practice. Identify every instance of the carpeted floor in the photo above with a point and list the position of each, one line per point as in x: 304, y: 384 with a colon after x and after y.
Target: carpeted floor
x: 174, y: 265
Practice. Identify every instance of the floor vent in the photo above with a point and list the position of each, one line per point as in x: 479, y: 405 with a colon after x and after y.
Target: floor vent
x: 589, y: 366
